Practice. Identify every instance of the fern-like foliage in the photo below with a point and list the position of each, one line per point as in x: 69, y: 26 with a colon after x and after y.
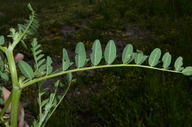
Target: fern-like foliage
x: 43, y: 68
x: 28, y: 28
x: 129, y: 59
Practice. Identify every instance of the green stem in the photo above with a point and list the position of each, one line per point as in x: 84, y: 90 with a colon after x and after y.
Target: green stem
x: 2, y: 48
x: 6, y: 106
x: 26, y: 30
x: 93, y: 67
x: 16, y: 91
x: 15, y: 105
x: 39, y: 102
x: 12, y: 67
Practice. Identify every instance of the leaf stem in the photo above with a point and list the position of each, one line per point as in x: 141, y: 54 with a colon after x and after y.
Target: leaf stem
x: 39, y: 102
x: 94, y: 67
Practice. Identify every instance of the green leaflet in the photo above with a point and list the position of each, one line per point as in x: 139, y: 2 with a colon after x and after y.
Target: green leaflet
x: 39, y: 56
x: 187, y: 71
x: 49, y: 68
x: 1, y: 95
x: 110, y: 52
x: 132, y: 57
x: 2, y: 40
x: 4, y: 77
x: 80, y: 58
x: 127, y: 53
x: 68, y: 78
x: 65, y: 60
x: 154, y: 57
x: 44, y: 91
x: 1, y: 65
x: 25, y: 69
x: 29, y: 6
x: 40, y: 71
x: 40, y: 62
x: 139, y: 58
x: 178, y: 63
x: 166, y: 60
x: 96, y: 54
x: 44, y: 102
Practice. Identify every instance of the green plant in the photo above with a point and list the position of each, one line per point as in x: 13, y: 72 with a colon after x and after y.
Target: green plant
x: 42, y: 69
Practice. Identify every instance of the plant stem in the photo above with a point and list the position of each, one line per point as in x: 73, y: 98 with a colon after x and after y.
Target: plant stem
x: 6, y: 105
x: 93, y: 67
x: 16, y: 92
x: 39, y: 102
x: 12, y: 66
